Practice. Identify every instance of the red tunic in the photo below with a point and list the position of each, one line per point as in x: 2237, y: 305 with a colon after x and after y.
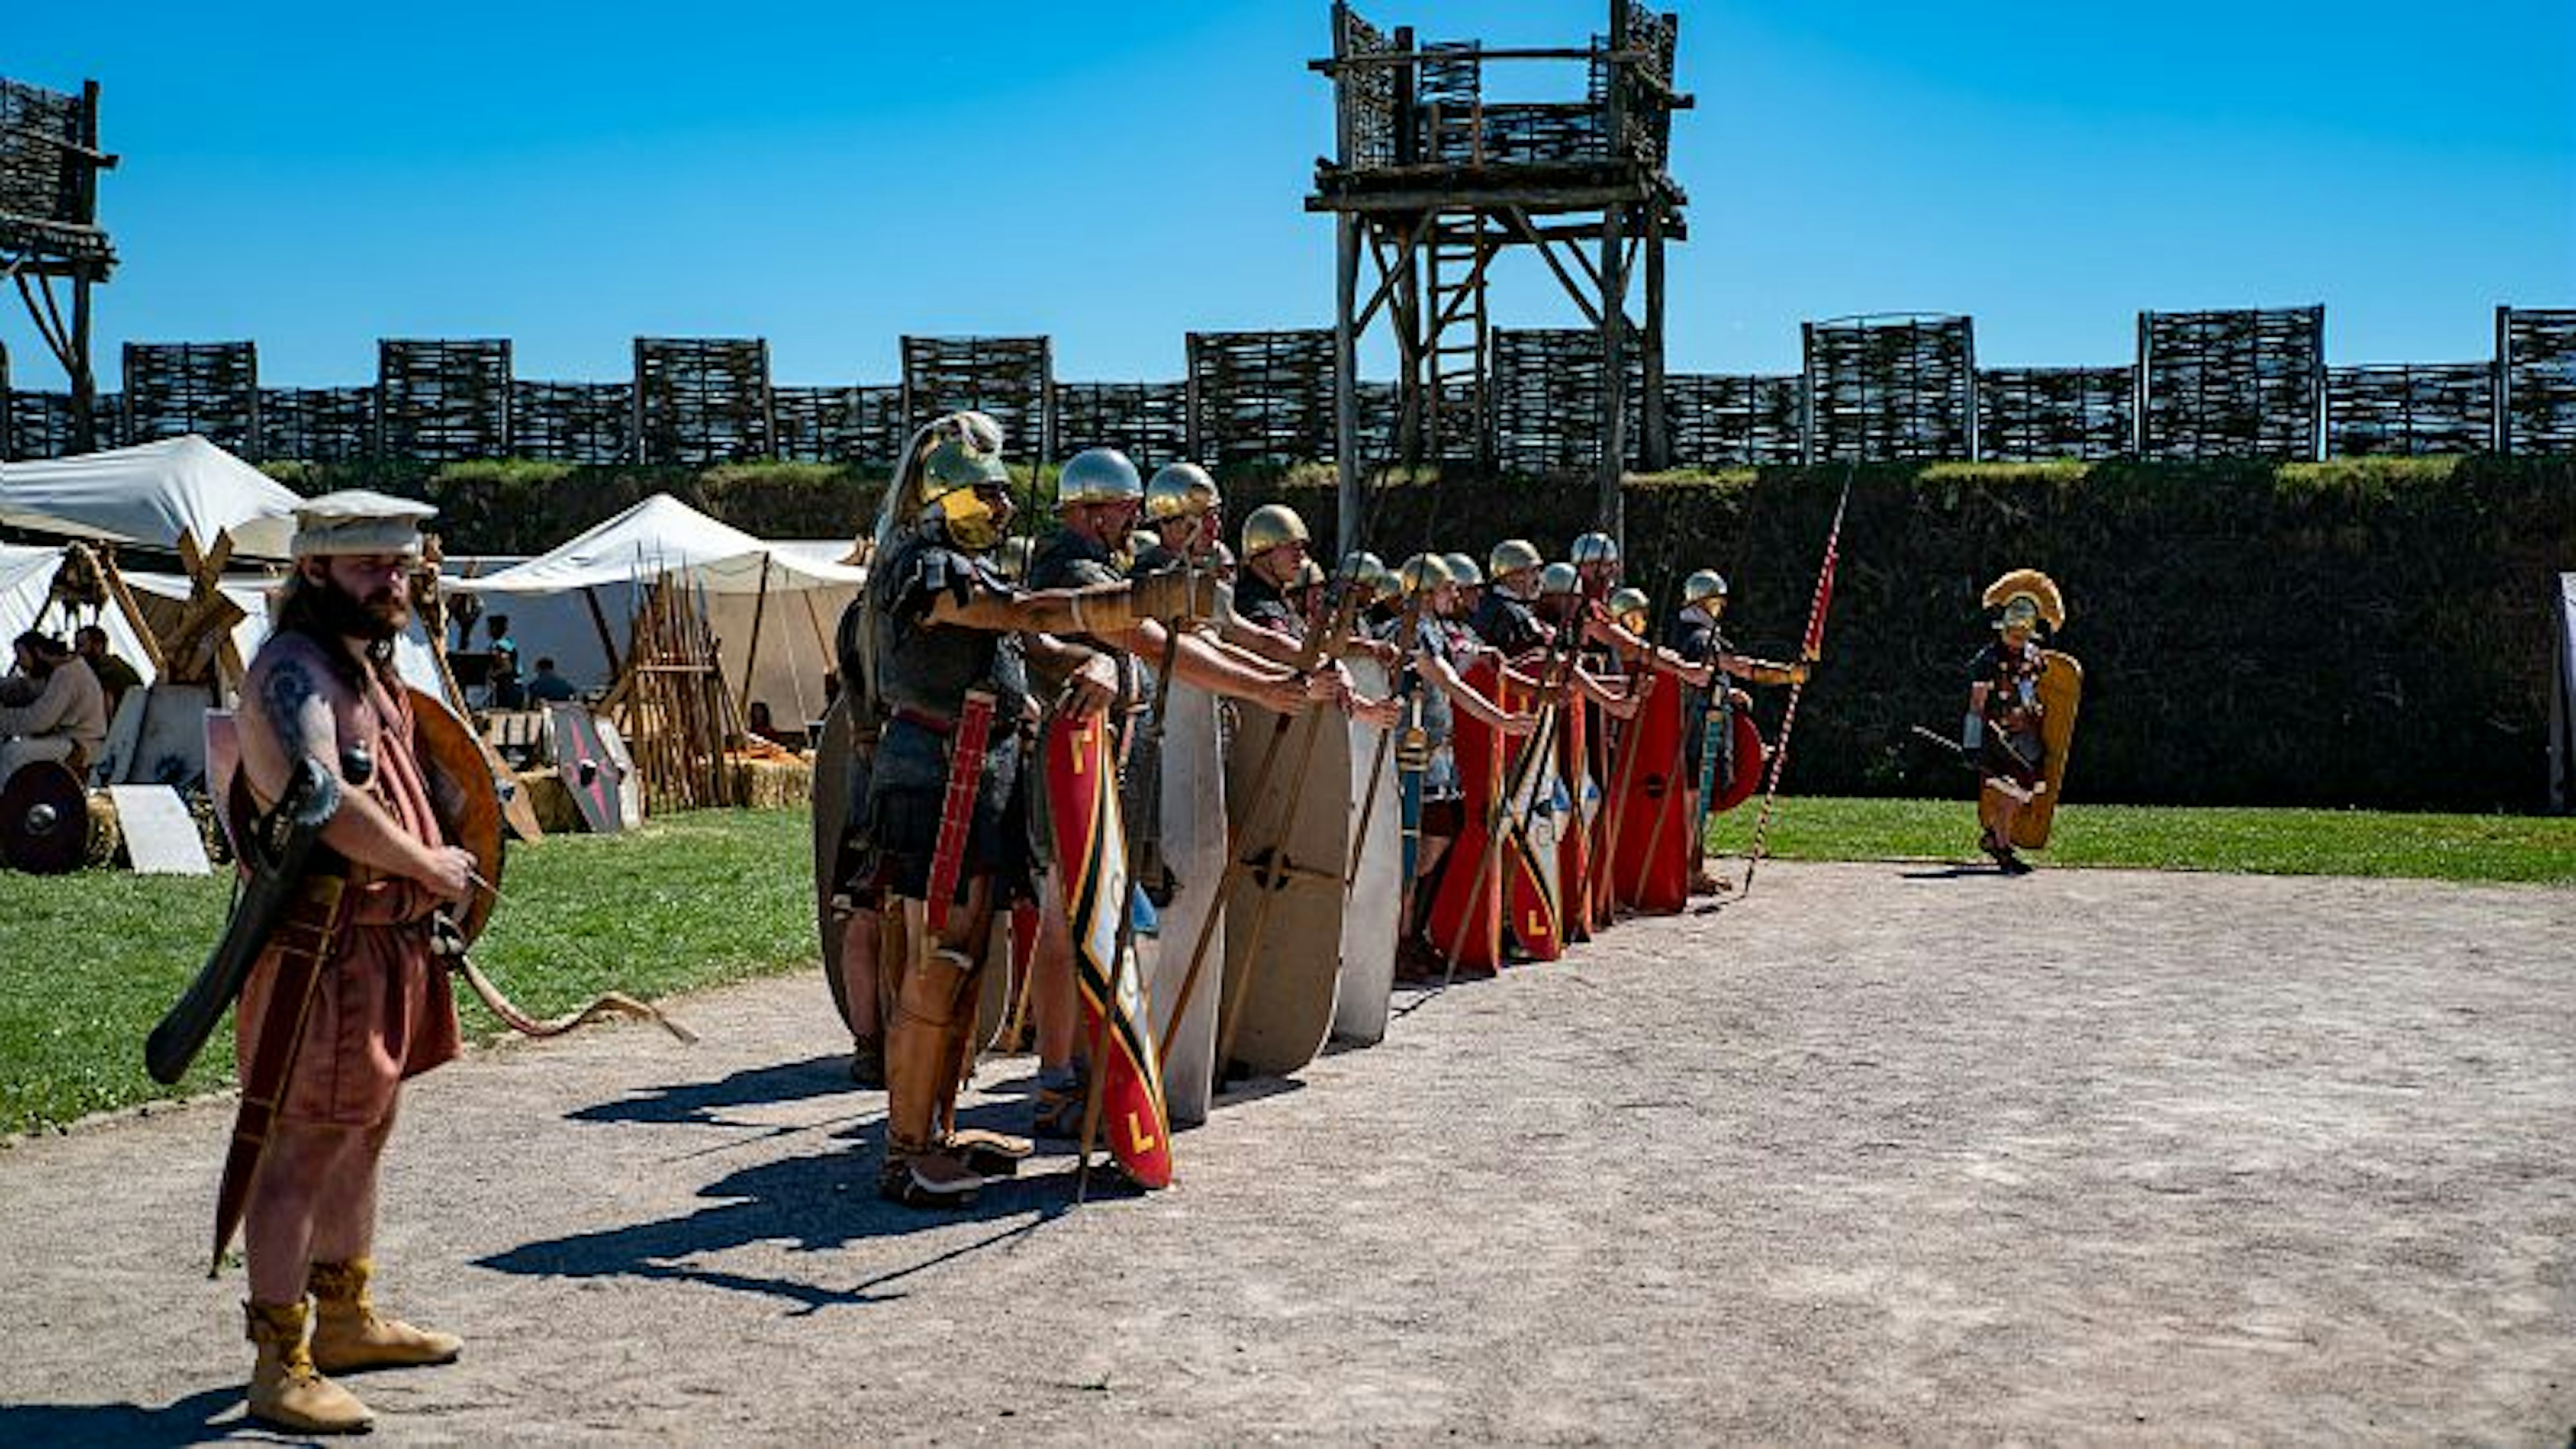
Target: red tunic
x: 381, y: 1010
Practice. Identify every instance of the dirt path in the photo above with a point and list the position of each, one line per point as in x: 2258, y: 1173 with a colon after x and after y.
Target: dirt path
x: 2203, y: 1158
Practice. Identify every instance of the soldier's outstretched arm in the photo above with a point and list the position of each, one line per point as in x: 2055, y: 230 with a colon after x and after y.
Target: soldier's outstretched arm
x: 1619, y: 703
x: 1104, y: 610
x: 1762, y: 671
x: 1219, y: 669
x: 1444, y: 676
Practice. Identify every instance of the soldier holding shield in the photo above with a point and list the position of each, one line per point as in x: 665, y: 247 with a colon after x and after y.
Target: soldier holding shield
x: 947, y: 646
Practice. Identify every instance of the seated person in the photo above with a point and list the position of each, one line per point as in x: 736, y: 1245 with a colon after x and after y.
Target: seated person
x: 506, y: 691
x: 766, y: 728
x: 66, y: 721
x: 114, y: 674
x: 548, y: 687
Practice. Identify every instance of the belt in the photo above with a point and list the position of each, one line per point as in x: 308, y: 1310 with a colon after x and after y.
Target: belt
x: 937, y: 724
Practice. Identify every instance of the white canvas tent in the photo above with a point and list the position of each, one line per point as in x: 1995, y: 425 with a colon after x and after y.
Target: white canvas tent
x: 26, y: 586
x: 148, y: 494
x: 794, y: 591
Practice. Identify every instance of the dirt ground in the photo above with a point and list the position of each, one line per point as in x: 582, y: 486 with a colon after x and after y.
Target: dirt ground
x: 1883, y: 1152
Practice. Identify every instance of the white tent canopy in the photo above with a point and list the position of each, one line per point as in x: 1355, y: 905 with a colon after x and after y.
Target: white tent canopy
x: 26, y: 589
x: 549, y: 599
x: 148, y: 494
x: 663, y: 536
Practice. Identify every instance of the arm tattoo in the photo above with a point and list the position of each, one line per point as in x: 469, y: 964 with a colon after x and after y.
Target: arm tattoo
x: 288, y: 690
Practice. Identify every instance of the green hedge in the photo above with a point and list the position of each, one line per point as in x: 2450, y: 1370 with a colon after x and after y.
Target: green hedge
x: 2369, y: 633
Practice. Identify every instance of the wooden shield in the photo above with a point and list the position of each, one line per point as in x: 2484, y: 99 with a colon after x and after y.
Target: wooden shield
x: 588, y: 771
x: 1650, y: 864
x: 1533, y: 900
x: 44, y: 820
x: 1466, y: 914
x: 1193, y: 826
x: 1370, y: 923
x: 1737, y: 788
x: 1091, y: 870
x: 830, y: 798
x: 1279, y: 988
x: 463, y: 793
x: 1576, y: 726
x: 2061, y: 690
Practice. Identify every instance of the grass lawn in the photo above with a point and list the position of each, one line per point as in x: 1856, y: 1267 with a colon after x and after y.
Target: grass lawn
x: 89, y: 962
x: 2530, y: 848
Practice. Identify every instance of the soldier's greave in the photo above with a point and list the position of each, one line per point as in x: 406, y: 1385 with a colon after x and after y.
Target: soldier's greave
x: 894, y: 959
x: 922, y: 1050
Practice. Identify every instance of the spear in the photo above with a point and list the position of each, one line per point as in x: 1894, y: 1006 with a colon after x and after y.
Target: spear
x: 1810, y: 650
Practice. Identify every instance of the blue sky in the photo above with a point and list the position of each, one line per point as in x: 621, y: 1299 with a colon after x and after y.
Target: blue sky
x: 831, y: 176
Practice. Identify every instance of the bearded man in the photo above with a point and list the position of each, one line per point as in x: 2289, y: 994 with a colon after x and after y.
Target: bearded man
x: 323, y: 690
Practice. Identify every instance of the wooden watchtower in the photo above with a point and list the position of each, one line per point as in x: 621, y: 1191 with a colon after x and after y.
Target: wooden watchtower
x: 49, y: 232
x: 1431, y: 181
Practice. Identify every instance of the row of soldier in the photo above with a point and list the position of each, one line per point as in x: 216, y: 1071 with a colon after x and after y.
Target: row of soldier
x: 1223, y: 802
x: 1290, y: 792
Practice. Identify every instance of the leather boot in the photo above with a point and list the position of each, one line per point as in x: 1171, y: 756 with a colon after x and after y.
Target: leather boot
x: 921, y: 1073
x: 285, y: 1388
x: 349, y: 1335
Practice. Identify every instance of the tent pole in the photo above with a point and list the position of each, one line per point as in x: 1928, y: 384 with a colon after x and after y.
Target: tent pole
x: 751, y: 654
x: 132, y: 611
x: 599, y: 621
x: 822, y: 648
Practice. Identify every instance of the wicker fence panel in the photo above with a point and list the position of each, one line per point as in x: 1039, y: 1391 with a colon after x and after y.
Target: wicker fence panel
x: 2244, y: 384
x: 1547, y: 400
x: 1891, y: 389
x: 573, y: 422
x: 1261, y: 396
x: 2410, y: 409
x: 2034, y: 414
x: 815, y: 424
x: 40, y: 424
x: 1735, y: 420
x: 1010, y: 378
x: 209, y: 388
x: 443, y: 401
x: 47, y: 200
x: 880, y: 426
x: 1381, y: 410
x: 2536, y: 358
x: 317, y: 424
x: 1148, y: 421
x: 701, y: 400
x: 1366, y: 96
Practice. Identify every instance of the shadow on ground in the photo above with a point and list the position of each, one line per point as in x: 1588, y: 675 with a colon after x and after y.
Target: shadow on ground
x: 188, y: 1421
x: 814, y: 1203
